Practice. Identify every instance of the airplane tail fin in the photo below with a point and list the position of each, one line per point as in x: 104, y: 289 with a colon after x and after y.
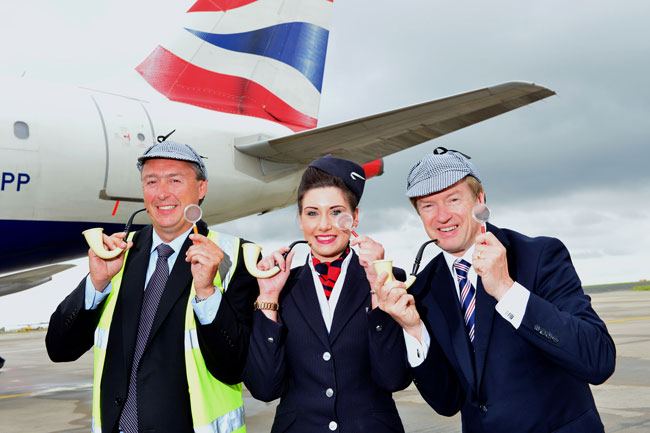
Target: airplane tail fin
x: 261, y: 58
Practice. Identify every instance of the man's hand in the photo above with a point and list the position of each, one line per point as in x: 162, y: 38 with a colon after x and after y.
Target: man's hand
x: 394, y: 300
x: 102, y: 270
x: 205, y: 257
x: 369, y: 251
x: 491, y: 264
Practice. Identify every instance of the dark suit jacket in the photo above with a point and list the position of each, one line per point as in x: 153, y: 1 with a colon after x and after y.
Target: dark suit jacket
x: 163, y: 398
x: 532, y: 379
x: 362, y: 360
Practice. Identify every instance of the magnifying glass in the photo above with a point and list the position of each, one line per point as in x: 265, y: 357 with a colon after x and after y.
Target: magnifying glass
x: 344, y: 222
x: 481, y: 214
x: 193, y: 214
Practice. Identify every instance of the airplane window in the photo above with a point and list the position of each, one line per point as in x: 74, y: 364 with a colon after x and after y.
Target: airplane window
x: 21, y: 130
x: 140, y: 136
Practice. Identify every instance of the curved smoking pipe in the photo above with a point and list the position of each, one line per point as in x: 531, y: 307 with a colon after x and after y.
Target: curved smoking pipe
x: 252, y: 252
x: 95, y: 239
x: 416, y: 265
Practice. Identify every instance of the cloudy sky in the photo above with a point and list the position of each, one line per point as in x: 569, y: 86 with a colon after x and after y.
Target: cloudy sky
x: 574, y: 166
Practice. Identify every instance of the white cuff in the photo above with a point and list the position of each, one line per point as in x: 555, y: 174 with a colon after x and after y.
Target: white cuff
x: 92, y: 297
x: 206, y: 310
x: 416, y: 352
x: 512, y: 305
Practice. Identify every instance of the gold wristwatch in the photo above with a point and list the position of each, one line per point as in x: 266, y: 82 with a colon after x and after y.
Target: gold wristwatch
x: 273, y: 306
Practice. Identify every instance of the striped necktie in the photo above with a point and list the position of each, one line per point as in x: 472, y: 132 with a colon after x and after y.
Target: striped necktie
x: 467, y: 296
x: 328, y: 272
x: 155, y: 288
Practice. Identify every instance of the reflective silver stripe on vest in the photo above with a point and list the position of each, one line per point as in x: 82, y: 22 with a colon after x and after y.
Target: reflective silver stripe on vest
x: 227, y: 245
x: 101, y: 338
x: 191, y: 339
x: 95, y: 428
x: 226, y: 423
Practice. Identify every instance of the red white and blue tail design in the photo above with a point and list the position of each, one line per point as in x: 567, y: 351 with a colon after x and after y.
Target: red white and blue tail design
x: 261, y: 58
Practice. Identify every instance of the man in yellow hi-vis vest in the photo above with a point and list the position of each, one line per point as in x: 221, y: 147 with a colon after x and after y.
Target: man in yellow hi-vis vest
x: 169, y: 318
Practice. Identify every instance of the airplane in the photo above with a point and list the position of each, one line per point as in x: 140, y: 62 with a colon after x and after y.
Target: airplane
x: 241, y: 82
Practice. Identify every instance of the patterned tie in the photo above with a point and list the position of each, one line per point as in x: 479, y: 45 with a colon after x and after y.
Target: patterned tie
x: 155, y: 288
x: 467, y: 295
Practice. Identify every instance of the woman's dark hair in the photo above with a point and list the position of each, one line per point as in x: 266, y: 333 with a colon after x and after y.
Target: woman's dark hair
x: 315, y: 178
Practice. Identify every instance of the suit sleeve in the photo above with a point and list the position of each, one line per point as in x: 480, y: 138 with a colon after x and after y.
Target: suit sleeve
x: 265, y: 373
x: 224, y: 342
x: 71, y: 331
x: 560, y: 322
x: 437, y: 382
x: 388, y: 363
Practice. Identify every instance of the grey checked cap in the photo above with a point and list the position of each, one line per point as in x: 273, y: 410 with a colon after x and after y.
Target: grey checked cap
x: 172, y: 150
x: 437, y: 171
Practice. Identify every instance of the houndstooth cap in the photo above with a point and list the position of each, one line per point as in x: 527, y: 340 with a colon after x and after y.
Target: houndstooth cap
x: 172, y: 150
x: 437, y: 171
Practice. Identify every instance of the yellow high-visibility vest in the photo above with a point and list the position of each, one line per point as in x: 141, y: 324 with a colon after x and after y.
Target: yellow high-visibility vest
x: 216, y: 407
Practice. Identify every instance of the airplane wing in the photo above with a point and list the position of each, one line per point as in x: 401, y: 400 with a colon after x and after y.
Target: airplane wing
x: 369, y: 138
x: 27, y: 279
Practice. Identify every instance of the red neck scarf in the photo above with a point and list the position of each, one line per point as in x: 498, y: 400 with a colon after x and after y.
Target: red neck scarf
x: 329, y: 272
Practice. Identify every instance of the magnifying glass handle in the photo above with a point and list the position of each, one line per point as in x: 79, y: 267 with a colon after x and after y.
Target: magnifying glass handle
x: 196, y: 231
x: 354, y: 233
x: 483, y: 232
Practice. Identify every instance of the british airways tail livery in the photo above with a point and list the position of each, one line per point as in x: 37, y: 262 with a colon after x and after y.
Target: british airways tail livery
x: 241, y: 82
x: 260, y: 58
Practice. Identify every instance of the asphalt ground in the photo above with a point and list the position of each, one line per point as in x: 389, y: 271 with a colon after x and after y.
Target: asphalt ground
x: 37, y: 395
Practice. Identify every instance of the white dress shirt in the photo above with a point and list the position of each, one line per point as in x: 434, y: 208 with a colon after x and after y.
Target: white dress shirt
x: 511, y: 307
x: 205, y: 310
x: 327, y: 306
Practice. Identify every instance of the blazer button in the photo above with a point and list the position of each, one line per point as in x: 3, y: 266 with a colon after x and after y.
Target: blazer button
x: 118, y: 401
x: 333, y: 425
x: 483, y: 408
x: 327, y: 356
x: 329, y: 392
x: 270, y: 340
x: 379, y: 328
x: 536, y: 328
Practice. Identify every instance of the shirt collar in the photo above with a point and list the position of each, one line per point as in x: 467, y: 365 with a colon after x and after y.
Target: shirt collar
x: 450, y: 258
x: 176, y: 244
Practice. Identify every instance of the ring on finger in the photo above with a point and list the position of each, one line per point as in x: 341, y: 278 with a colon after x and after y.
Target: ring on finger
x: 372, y: 292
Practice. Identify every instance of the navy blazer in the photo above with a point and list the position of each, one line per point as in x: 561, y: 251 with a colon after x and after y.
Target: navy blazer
x: 163, y: 397
x: 532, y: 379
x: 342, y: 380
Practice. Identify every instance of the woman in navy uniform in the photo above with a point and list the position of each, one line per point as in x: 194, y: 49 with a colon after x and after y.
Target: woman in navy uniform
x: 318, y: 342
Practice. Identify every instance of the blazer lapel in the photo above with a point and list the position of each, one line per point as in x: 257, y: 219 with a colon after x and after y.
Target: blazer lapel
x: 444, y: 293
x: 353, y: 295
x: 132, y: 291
x: 303, y: 293
x: 485, y: 311
x: 484, y: 317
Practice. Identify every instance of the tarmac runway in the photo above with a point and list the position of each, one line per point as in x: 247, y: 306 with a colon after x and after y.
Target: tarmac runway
x: 37, y: 395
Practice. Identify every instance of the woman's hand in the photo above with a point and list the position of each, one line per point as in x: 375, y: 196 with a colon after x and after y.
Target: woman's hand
x: 270, y: 288
x: 369, y: 251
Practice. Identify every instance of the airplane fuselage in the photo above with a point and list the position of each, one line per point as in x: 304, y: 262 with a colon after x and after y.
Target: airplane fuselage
x: 68, y: 155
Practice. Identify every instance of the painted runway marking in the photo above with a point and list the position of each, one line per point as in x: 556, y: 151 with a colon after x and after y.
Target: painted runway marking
x: 47, y: 391
x: 627, y: 320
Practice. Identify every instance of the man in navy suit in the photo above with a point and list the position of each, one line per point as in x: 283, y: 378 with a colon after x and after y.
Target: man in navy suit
x: 497, y: 325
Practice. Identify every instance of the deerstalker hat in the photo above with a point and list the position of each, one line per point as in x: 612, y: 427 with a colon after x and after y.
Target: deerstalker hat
x: 172, y: 150
x: 437, y: 171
